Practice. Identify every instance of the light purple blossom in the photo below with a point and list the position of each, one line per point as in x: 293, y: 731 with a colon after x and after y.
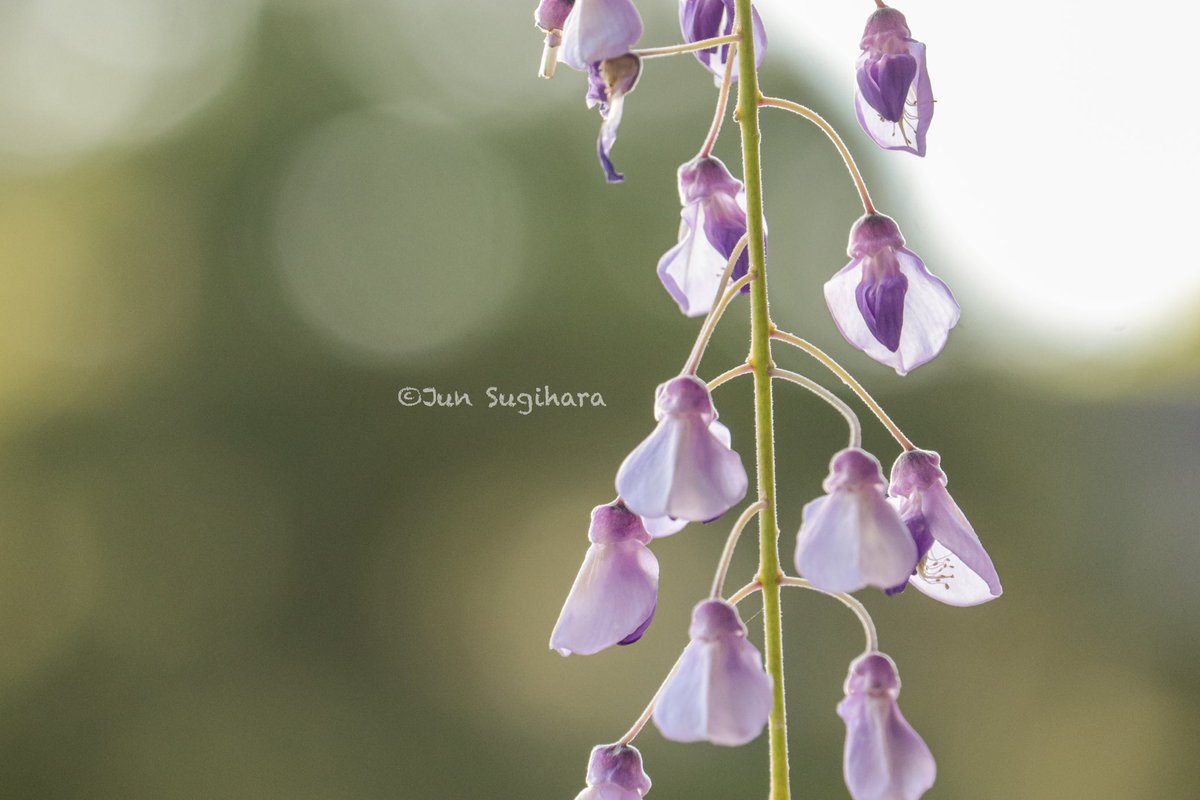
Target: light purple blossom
x: 707, y: 19
x: 608, y: 83
x: 885, y: 759
x: 616, y: 591
x: 852, y: 537
x: 615, y: 772
x: 894, y: 102
x: 955, y: 569
x: 596, y: 30
x: 684, y: 469
x: 885, y: 302
x: 714, y: 220
x: 720, y: 692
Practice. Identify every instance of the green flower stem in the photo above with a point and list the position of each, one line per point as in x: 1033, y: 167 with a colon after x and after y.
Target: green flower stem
x: 769, y: 573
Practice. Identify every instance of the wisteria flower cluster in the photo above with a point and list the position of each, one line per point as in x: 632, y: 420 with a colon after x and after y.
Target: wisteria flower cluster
x: 865, y: 530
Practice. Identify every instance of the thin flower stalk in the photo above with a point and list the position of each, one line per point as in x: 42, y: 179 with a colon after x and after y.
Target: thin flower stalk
x: 860, y: 611
x: 714, y: 314
x: 722, y: 103
x: 676, y: 49
x: 819, y: 121
x: 829, y: 397
x: 849, y: 380
x: 731, y: 545
x: 725, y: 377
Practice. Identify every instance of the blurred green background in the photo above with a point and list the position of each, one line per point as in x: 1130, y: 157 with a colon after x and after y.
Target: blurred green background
x: 233, y: 565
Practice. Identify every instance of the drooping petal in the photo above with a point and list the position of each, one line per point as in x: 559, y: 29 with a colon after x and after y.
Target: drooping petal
x: 599, y: 29
x: 608, y: 83
x: 616, y: 591
x: 929, y: 309
x: 707, y: 19
x: 691, y: 270
x: 884, y: 759
x: 853, y: 537
x: 720, y: 693
x: 685, y: 468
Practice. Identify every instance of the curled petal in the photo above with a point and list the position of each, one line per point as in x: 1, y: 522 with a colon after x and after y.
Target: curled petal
x: 929, y: 312
x: 608, y: 137
x: 599, y: 29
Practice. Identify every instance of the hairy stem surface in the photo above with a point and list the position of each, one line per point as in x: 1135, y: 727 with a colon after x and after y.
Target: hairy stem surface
x: 769, y: 574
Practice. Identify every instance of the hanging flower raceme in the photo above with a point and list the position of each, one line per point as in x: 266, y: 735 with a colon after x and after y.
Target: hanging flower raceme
x: 885, y: 302
x: 708, y: 19
x: 597, y: 30
x: 955, y: 569
x: 714, y: 220
x: 608, y: 83
x: 720, y: 692
x: 894, y: 102
x: 685, y: 469
x: 615, y: 772
x: 885, y: 759
x: 852, y: 537
x: 614, y: 596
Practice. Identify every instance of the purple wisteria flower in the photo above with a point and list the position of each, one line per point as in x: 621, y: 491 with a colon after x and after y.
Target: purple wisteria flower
x: 720, y: 693
x: 684, y: 469
x: 615, y: 772
x: 852, y: 537
x: 885, y: 759
x: 616, y: 591
x: 714, y: 220
x: 597, y: 30
x: 885, y: 302
x: 608, y: 83
x: 953, y: 567
x: 894, y: 102
x: 707, y: 19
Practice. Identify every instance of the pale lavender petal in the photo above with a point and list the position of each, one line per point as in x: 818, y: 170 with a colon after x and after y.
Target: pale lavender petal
x: 691, y: 270
x: 720, y: 692
x: 599, y: 29
x: 613, y: 597
x: 885, y: 759
x: 929, y: 312
x: 661, y: 527
x: 853, y: 537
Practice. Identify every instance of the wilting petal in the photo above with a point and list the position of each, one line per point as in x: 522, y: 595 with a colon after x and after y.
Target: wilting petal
x: 608, y: 83
x: 957, y: 570
x: 720, y: 692
x: 615, y: 593
x: 707, y: 19
x: 893, y: 101
x: 853, y: 537
x: 929, y: 309
x: 885, y: 759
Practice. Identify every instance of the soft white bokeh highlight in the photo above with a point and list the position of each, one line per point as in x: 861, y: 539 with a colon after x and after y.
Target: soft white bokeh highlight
x: 1058, y: 159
